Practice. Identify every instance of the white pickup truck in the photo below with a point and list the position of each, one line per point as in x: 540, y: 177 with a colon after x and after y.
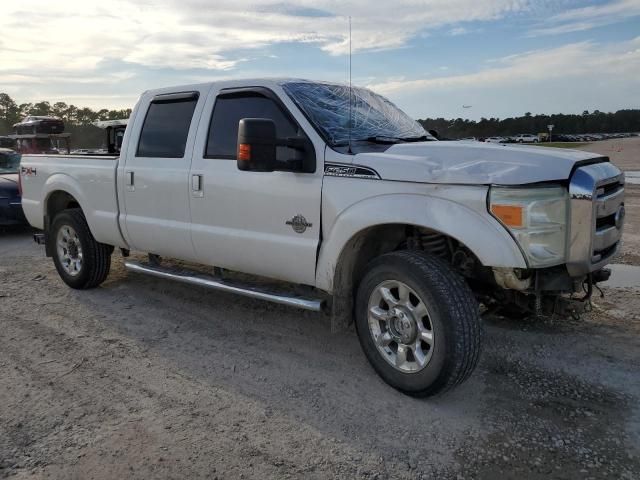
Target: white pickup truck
x: 339, y: 193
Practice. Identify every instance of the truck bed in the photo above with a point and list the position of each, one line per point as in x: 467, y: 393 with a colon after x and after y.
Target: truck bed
x: 90, y: 179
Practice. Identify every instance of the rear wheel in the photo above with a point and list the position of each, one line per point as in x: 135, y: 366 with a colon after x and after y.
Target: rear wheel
x: 418, y: 323
x: 81, y: 261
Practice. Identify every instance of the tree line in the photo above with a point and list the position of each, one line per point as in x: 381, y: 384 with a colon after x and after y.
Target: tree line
x: 622, y: 121
x: 11, y: 112
x: 78, y: 120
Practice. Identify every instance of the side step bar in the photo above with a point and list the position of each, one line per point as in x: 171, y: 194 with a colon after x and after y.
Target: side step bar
x: 214, y: 283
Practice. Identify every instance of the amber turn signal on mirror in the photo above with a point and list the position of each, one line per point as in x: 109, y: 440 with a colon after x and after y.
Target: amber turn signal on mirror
x: 244, y: 151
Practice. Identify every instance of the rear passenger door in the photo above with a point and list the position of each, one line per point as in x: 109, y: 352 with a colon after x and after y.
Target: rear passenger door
x: 155, y: 178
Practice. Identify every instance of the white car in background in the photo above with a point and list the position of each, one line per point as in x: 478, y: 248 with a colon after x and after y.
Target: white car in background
x: 525, y: 138
x: 496, y: 140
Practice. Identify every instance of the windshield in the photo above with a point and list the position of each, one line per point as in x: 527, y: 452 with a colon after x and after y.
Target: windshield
x: 9, y: 162
x: 374, y: 117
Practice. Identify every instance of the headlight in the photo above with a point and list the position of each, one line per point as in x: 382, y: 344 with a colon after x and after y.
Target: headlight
x: 537, y: 218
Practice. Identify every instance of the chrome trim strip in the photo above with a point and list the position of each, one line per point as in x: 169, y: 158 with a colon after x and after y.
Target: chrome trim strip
x: 584, y: 211
x: 605, y: 238
x: 609, y: 204
x: 194, y: 278
x: 581, y: 223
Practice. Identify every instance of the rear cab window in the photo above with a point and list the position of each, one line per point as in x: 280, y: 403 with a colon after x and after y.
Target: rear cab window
x: 166, y: 125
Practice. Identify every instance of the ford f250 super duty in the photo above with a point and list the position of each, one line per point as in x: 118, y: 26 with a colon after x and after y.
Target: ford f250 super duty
x: 339, y: 193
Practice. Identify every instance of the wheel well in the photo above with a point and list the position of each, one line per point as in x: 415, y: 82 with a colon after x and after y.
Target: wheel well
x: 59, y: 201
x: 380, y: 239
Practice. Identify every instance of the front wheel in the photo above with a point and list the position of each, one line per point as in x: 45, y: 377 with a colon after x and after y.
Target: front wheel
x: 418, y: 323
x: 81, y: 261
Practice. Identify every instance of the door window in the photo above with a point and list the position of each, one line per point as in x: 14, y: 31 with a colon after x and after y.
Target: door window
x: 166, y: 127
x: 227, y: 113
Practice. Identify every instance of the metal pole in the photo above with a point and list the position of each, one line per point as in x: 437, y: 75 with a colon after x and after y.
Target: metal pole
x: 350, y: 101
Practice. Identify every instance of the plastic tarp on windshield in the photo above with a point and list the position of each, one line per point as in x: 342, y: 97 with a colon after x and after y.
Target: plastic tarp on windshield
x: 327, y: 106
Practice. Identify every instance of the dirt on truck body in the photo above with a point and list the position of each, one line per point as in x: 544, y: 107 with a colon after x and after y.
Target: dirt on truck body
x: 144, y: 378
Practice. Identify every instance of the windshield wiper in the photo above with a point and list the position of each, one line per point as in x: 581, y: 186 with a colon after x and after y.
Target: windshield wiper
x: 421, y: 138
x: 391, y: 140
x: 385, y: 140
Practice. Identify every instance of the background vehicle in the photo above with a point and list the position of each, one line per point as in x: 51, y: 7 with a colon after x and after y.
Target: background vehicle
x: 47, y: 143
x: 525, y: 138
x: 7, y: 142
x: 561, y: 137
x: 115, y: 133
x: 10, y: 205
x: 496, y: 140
x: 380, y: 222
x: 39, y: 124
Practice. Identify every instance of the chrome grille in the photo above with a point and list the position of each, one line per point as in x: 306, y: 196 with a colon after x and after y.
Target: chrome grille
x: 596, y: 217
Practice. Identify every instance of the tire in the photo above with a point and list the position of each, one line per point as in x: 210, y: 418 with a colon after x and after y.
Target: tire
x: 69, y: 230
x: 452, y: 321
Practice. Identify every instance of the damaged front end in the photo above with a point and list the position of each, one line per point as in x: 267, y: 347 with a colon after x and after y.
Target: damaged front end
x: 545, y: 292
x: 567, y: 234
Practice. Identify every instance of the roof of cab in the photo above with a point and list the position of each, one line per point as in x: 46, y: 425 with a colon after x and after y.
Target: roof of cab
x: 274, y: 82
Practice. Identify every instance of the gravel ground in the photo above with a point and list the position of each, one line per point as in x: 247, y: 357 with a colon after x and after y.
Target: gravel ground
x: 143, y: 378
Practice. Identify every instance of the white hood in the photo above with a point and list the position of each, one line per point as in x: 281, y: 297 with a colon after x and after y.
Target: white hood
x: 473, y: 163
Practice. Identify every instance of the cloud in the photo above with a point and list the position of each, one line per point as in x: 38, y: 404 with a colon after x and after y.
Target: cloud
x: 112, y: 50
x: 612, y: 9
x: 454, y: 32
x: 568, y: 79
x: 574, y: 62
x: 201, y: 34
x: 121, y: 47
x: 587, y: 18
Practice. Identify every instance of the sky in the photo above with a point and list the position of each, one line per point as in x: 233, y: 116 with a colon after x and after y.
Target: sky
x: 433, y: 58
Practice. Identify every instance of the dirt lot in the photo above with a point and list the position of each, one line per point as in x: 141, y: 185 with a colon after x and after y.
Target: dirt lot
x: 144, y: 378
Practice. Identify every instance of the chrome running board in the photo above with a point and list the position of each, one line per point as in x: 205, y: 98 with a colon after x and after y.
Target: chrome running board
x: 194, y: 278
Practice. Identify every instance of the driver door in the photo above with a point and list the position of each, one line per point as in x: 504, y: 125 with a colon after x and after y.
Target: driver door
x: 262, y: 223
